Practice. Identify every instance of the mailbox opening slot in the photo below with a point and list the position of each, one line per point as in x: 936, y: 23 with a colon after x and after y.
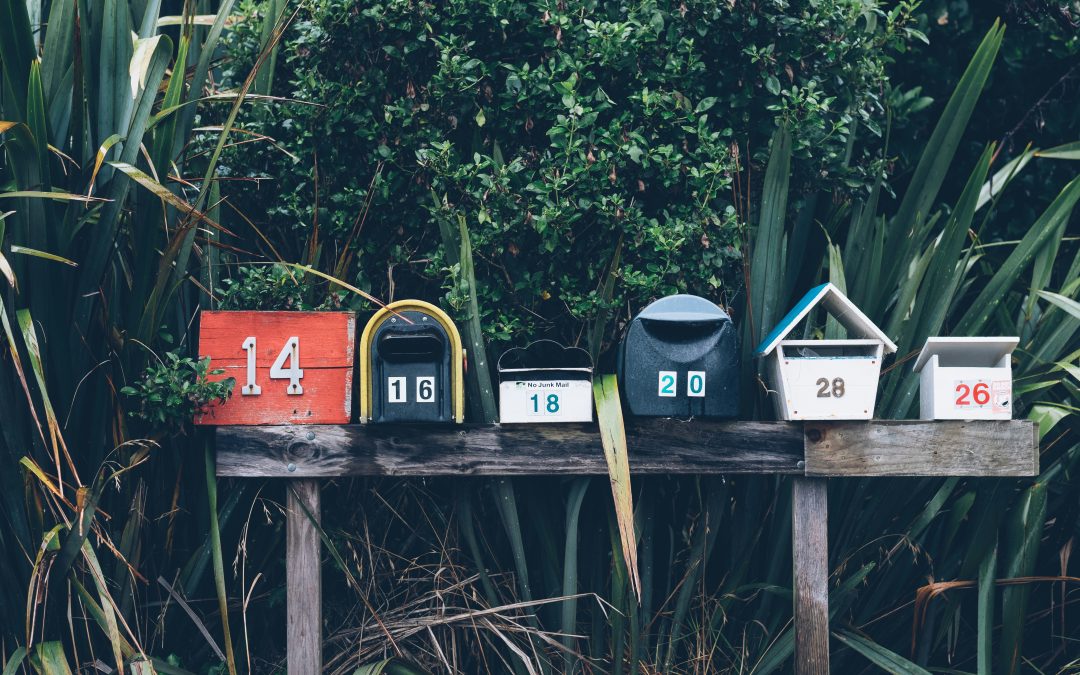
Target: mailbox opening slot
x: 425, y: 345
x: 681, y: 326
x: 826, y: 349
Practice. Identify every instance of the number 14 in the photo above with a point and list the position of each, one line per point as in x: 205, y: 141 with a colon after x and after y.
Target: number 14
x: 290, y: 352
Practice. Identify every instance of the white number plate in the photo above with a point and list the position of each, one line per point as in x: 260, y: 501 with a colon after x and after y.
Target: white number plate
x: 995, y: 396
x: 397, y: 390
x: 545, y: 401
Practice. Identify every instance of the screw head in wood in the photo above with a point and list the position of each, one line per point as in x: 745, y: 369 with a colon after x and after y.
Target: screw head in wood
x: 291, y: 467
x: 311, y: 435
x: 800, y: 465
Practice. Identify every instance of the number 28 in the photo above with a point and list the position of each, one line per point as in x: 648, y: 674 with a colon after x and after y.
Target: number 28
x: 834, y: 389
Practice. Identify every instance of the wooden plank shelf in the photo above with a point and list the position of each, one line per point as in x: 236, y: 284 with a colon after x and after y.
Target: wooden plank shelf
x: 811, y: 451
x: 655, y: 446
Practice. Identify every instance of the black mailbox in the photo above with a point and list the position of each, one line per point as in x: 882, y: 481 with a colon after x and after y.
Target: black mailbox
x: 411, y: 366
x: 680, y: 359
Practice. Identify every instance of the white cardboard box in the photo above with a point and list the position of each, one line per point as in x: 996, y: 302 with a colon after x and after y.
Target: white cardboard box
x: 966, y: 378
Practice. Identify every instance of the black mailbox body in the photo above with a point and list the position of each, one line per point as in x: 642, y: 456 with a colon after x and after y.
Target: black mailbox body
x: 411, y: 365
x: 680, y: 359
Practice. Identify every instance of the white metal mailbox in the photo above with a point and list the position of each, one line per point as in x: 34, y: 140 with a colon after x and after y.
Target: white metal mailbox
x: 545, y: 382
x: 966, y: 378
x: 825, y: 379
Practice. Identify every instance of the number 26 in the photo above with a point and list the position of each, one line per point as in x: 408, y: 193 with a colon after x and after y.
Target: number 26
x: 980, y: 392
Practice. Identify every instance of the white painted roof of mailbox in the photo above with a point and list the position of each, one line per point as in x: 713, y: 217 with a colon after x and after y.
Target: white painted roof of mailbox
x: 837, y: 304
x: 973, y: 352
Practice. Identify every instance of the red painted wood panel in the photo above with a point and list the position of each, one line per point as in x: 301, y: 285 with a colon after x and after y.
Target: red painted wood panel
x: 327, y: 348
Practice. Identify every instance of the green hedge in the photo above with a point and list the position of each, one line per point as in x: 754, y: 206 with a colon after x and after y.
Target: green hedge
x: 556, y: 129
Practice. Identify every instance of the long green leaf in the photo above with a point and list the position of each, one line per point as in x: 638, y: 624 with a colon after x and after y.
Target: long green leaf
x: 906, y: 232
x: 887, y: 660
x: 112, y: 90
x: 17, y: 52
x: 52, y: 659
x: 1019, y: 552
x: 97, y: 256
x: 215, y: 548
x: 479, y: 370
x: 927, y: 296
x: 766, y: 265
x: 164, y: 133
x: 506, y: 500
x: 14, y: 662
x: 985, y: 645
x: 206, y: 53
x: 1022, y: 256
x: 22, y: 250
x: 930, y: 172
x: 1067, y: 151
x: 109, y: 609
x: 33, y: 349
x: 164, y: 193
x: 613, y: 436
x: 598, y: 326
x: 1002, y: 177
x: 1068, y: 304
x: 570, y: 568
x: 36, y: 120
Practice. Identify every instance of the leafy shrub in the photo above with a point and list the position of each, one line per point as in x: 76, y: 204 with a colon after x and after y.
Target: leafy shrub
x: 172, y: 391
x: 265, y: 288
x: 557, y: 129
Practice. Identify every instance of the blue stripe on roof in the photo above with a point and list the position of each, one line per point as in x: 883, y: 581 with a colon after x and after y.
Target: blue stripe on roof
x: 812, y: 297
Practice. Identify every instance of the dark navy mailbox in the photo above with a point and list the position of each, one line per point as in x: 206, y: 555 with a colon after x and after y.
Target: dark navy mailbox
x: 679, y: 359
x: 411, y: 365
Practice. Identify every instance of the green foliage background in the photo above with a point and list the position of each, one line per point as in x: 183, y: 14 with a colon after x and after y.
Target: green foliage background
x: 595, y: 156
x: 557, y: 131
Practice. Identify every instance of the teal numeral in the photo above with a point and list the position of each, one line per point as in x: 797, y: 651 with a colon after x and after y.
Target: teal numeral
x: 552, y: 405
x: 667, y: 385
x: 697, y: 384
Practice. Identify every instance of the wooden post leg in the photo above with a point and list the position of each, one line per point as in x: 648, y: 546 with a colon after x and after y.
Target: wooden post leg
x: 304, y: 578
x: 810, y: 558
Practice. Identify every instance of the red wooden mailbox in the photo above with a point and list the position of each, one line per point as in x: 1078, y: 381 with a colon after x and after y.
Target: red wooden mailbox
x: 290, y: 367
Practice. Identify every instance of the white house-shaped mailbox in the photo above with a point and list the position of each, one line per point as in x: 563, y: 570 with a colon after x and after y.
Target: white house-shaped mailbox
x: 966, y: 378
x: 825, y: 379
x: 545, y: 382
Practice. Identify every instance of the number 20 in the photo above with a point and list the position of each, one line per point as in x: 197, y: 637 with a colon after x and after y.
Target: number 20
x: 290, y: 352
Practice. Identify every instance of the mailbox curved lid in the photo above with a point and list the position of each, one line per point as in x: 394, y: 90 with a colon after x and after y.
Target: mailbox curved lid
x: 684, y: 309
x: 545, y: 355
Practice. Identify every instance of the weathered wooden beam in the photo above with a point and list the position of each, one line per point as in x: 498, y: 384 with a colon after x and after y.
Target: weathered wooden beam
x: 656, y: 446
x: 916, y: 448
x: 810, y: 564
x: 303, y: 571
